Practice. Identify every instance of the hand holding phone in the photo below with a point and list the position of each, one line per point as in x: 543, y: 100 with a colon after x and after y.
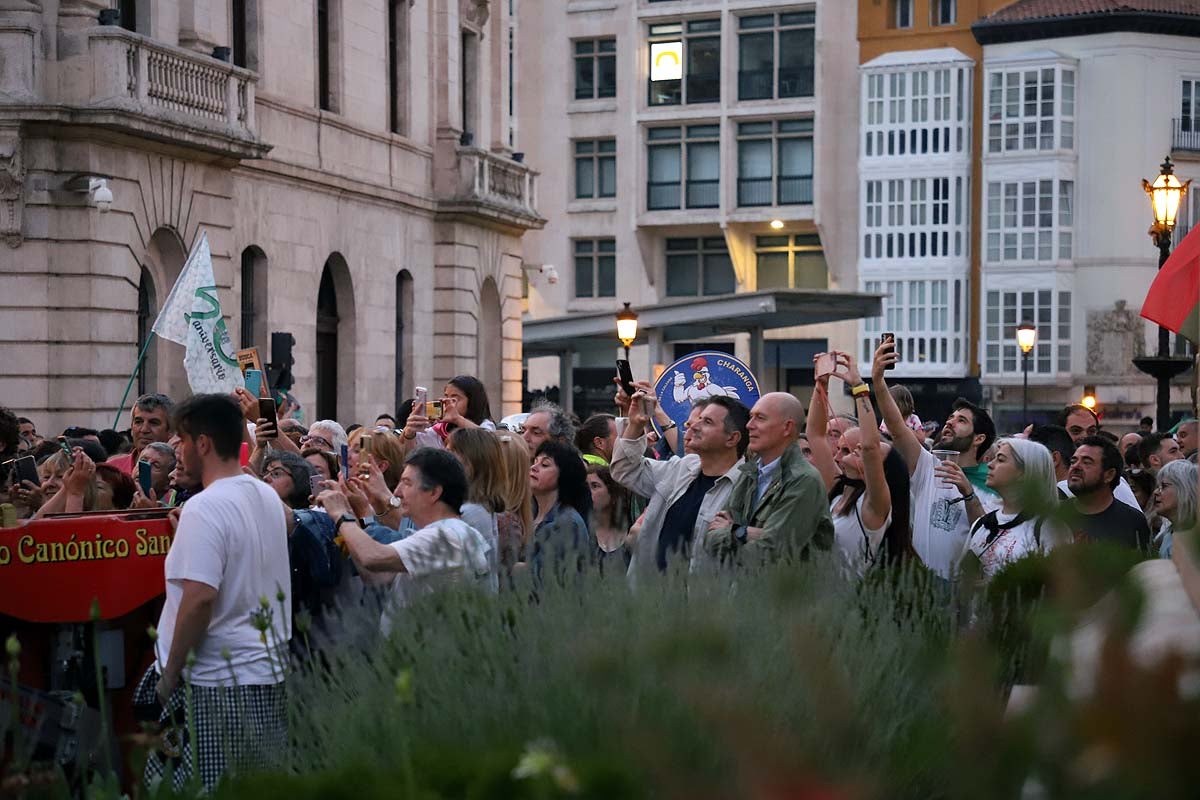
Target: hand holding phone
x: 267, y: 410
x: 824, y: 365
x: 254, y: 382
x: 26, y: 468
x: 890, y: 337
x: 145, y: 476
x: 625, y: 375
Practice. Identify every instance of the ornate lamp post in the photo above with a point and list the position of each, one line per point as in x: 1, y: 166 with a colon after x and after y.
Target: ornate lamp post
x: 1166, y: 194
x: 627, y: 327
x: 1026, y: 340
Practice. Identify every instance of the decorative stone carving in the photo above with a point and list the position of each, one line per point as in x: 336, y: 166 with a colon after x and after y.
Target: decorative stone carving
x: 12, y: 188
x: 1115, y: 337
x: 474, y: 12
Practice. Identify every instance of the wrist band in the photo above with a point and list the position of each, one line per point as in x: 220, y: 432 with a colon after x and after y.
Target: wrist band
x: 860, y: 390
x: 670, y: 425
x: 966, y: 498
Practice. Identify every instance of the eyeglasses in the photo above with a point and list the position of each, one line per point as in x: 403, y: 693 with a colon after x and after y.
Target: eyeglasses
x: 306, y: 439
x: 276, y: 474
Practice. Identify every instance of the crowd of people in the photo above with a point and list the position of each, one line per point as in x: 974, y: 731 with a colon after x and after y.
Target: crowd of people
x: 277, y: 521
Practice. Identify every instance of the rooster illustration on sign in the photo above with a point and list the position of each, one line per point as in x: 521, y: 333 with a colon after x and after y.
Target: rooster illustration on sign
x: 701, y: 385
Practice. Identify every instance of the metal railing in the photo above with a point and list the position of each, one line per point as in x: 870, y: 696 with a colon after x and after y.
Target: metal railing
x: 1185, y: 134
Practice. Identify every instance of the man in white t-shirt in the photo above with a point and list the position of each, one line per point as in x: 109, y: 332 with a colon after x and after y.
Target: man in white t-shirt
x: 443, y: 550
x: 947, y: 496
x: 228, y: 582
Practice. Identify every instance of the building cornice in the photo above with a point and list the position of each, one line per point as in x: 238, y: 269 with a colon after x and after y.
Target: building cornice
x: 1027, y: 30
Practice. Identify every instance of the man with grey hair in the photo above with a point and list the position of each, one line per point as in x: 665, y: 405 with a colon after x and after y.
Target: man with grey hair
x: 150, y: 421
x: 547, y: 421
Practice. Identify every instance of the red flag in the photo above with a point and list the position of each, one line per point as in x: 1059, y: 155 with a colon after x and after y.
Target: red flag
x: 1174, y: 297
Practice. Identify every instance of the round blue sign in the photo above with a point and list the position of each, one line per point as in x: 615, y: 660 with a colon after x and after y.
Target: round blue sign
x: 707, y: 373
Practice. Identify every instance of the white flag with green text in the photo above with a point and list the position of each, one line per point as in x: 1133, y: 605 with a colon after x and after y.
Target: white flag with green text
x: 191, y: 316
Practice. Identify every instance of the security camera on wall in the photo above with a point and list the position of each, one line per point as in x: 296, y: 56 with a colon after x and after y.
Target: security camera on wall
x: 100, y: 195
x: 550, y: 273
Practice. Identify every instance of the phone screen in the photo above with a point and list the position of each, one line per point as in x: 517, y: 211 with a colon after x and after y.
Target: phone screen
x: 254, y: 382
x: 345, y: 462
x: 314, y: 484
x: 268, y: 411
x: 626, y: 377
x: 27, y: 470
x: 433, y: 409
x: 145, y: 477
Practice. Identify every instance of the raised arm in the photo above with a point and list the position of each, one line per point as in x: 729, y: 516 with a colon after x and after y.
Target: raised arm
x: 877, y: 500
x: 817, y: 429
x: 903, y: 439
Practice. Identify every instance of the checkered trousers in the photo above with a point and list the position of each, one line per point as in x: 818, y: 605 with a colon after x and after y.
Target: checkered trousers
x: 238, y: 728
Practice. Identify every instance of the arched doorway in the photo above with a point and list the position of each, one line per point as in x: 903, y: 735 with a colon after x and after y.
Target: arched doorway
x: 335, y: 340
x: 489, y: 353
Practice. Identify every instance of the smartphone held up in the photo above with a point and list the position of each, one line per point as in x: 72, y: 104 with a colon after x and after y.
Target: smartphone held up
x: 889, y: 337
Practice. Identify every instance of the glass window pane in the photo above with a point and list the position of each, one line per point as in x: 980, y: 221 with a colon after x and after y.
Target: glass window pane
x: 704, y: 70
x: 683, y: 275
x: 811, y: 271
x: 796, y: 49
x: 756, y: 66
x: 665, y: 163
x: 606, y: 277
x: 606, y: 79
x: 718, y: 274
x: 585, y: 178
x: 754, y: 159
x: 773, y: 271
x: 584, y: 87
x: 761, y: 21
x: 608, y: 177
x: 583, y: 276
x: 704, y: 162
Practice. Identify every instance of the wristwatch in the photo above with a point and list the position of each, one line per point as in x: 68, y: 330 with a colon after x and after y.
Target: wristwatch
x: 392, y: 504
x: 342, y: 520
x: 740, y: 533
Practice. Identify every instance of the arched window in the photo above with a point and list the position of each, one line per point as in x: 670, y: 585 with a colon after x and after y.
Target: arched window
x: 404, y: 312
x: 489, y: 353
x: 145, y: 319
x: 327, y: 347
x: 254, y: 300
x: 336, y: 388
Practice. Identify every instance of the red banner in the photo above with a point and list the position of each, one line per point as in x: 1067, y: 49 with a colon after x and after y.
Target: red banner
x: 52, y: 570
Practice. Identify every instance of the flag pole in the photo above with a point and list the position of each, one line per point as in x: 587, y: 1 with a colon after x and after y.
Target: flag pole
x: 141, y: 357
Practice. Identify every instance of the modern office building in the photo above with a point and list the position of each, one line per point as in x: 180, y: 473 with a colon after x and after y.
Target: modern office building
x: 696, y: 161
x: 350, y: 160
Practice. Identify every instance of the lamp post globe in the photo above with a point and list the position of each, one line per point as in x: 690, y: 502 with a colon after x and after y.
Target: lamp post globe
x: 627, y: 323
x: 1166, y: 193
x: 1026, y: 340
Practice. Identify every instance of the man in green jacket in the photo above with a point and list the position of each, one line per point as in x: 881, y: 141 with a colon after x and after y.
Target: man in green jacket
x: 778, y: 507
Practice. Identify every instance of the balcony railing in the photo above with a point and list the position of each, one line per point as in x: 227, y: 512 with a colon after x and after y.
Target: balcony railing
x: 792, y: 190
x: 198, y: 99
x: 795, y: 190
x: 503, y: 187
x: 662, y: 195
x: 1185, y: 134
x: 703, y: 194
x: 754, y: 191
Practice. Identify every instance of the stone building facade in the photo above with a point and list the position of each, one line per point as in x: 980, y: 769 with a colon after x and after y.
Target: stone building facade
x: 350, y: 160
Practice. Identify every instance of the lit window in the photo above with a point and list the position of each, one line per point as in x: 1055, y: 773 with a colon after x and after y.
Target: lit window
x: 685, y: 67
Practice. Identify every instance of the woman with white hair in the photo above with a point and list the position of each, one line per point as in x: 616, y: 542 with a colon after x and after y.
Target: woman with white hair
x: 1022, y: 473
x: 1175, y: 500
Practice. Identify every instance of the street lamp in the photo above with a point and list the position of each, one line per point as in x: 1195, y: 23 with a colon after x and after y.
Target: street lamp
x: 1166, y: 194
x: 1026, y: 340
x: 627, y: 327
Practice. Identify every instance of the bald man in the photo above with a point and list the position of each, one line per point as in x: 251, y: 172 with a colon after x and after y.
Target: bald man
x: 777, y: 508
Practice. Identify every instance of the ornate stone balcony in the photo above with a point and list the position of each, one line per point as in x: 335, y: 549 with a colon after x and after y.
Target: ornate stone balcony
x: 127, y: 82
x: 491, y: 187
